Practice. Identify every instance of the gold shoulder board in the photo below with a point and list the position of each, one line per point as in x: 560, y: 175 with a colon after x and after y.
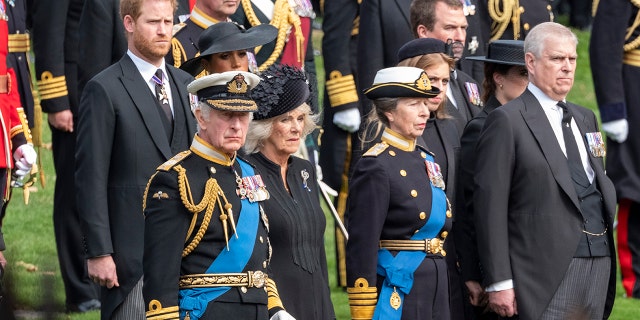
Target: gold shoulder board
x: 177, y: 28
x: 376, y: 150
x: 173, y: 161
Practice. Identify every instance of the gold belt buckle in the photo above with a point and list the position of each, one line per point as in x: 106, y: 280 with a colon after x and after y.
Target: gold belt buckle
x: 433, y: 246
x: 256, y: 279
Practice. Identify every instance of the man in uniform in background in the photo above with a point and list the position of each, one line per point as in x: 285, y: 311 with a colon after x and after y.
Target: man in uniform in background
x: 504, y: 20
x: 341, y: 118
x: 205, y: 13
x: 17, y: 155
x: 615, y: 65
x: 55, y: 46
x: 102, y: 38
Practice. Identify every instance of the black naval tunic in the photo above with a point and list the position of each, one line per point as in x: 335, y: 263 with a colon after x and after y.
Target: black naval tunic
x: 184, y: 44
x: 170, y: 232
x: 249, y: 15
x: 509, y: 22
x: 339, y: 44
x: 615, y: 64
x: 390, y: 198
x: 296, y: 233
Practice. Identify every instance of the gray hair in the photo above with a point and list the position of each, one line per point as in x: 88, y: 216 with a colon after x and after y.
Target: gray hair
x: 260, y: 130
x: 535, y: 40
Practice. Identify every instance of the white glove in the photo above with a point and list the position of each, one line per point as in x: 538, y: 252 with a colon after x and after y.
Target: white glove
x: 617, y: 130
x: 282, y: 315
x: 347, y: 120
x: 25, y: 156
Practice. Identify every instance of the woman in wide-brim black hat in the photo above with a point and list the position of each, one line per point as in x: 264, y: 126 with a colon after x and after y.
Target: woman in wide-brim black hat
x: 505, y: 78
x: 399, y: 217
x: 226, y: 46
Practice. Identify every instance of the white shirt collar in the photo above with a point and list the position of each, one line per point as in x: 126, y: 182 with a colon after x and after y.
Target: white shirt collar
x: 146, y: 69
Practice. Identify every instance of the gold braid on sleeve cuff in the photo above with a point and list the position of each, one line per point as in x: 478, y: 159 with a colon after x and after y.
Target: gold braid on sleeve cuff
x: 157, y: 312
x: 52, y: 87
x: 341, y: 89
x: 362, y: 300
x: 273, y: 300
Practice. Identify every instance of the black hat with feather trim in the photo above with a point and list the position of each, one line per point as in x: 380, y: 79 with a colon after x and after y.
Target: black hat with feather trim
x: 282, y: 89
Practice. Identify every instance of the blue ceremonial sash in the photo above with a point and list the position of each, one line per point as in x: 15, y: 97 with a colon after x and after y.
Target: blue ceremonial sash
x: 195, y: 300
x: 398, y: 271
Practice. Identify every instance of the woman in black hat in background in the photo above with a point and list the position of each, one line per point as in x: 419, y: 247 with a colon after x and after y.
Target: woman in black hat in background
x: 226, y: 46
x: 399, y: 216
x: 505, y: 79
x: 296, y: 219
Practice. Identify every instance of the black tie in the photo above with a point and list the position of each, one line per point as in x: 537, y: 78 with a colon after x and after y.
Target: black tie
x: 161, y: 94
x: 573, y: 155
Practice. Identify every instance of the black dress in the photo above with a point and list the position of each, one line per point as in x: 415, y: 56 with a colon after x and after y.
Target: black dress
x: 296, y: 233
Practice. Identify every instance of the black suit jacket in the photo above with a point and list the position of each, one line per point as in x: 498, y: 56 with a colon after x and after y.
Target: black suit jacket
x: 121, y: 141
x: 471, y: 106
x: 527, y: 211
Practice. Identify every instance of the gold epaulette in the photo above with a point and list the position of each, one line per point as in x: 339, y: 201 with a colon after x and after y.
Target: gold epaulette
x: 173, y: 161
x: 19, y: 42
x: 157, y: 312
x: 273, y: 298
x: 25, y: 125
x: 341, y: 89
x: 177, y: 28
x: 376, y: 150
x: 362, y: 300
x: 52, y: 87
x: 178, y: 53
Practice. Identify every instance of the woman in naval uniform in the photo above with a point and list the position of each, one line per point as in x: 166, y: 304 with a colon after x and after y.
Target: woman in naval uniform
x: 399, y: 216
x: 296, y: 219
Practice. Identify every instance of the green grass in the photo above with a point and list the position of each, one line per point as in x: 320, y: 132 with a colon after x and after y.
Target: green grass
x: 29, y: 231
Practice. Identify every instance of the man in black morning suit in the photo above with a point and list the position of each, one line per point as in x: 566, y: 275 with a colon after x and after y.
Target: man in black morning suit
x: 124, y: 133
x: 543, y: 205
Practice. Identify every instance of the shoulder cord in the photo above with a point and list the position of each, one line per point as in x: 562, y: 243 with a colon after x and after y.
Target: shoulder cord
x: 501, y: 18
x: 283, y: 18
x: 635, y: 42
x: 212, y: 195
x: 177, y: 52
x: 146, y: 192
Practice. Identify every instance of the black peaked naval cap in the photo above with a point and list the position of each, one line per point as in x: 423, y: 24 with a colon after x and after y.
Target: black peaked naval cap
x: 509, y: 52
x: 228, y: 36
